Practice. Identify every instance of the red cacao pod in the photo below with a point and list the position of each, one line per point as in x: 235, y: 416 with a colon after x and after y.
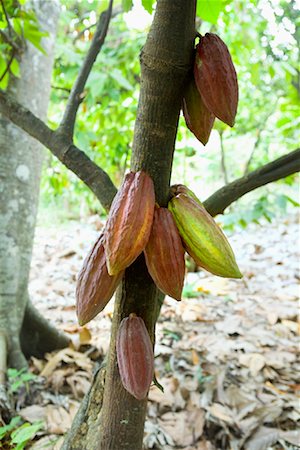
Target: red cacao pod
x: 216, y: 78
x: 164, y: 254
x: 135, y: 356
x: 129, y: 222
x: 197, y: 117
x: 95, y: 286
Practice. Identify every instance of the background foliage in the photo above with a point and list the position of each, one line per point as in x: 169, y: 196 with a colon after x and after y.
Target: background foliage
x: 263, y: 37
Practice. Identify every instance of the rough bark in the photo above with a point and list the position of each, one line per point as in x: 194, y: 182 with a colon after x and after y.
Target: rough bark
x: 165, y: 62
x: 20, y: 167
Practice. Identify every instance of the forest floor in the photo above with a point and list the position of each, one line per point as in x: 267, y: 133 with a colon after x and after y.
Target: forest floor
x: 226, y: 354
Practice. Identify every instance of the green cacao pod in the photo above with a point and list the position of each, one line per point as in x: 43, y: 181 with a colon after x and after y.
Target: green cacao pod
x: 203, y: 238
x: 199, y: 119
x: 129, y: 222
x: 216, y: 78
x: 95, y: 286
x: 135, y: 356
x: 164, y: 254
x: 177, y: 189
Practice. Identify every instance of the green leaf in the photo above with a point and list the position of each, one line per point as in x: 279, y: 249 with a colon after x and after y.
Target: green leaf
x: 26, y: 432
x: 34, y: 35
x: 209, y: 10
x: 4, y: 82
x: 7, y: 428
x: 148, y: 5
x: 15, y: 68
x: 127, y: 5
x: 117, y: 75
x: 292, y: 201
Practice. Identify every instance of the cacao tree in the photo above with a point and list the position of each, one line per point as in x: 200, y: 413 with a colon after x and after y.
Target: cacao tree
x: 110, y: 417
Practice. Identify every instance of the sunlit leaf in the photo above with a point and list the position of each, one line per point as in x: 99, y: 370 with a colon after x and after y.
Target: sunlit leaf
x: 209, y: 10
x: 127, y: 5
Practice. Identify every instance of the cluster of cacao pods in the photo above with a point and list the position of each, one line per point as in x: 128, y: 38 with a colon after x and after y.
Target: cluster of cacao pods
x: 137, y: 224
x: 213, y: 90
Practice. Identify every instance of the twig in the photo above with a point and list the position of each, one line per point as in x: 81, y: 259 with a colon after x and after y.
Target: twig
x: 255, y: 146
x: 7, y: 18
x: 10, y: 41
x: 60, y: 88
x: 117, y: 10
x: 81, y: 33
x: 223, y: 164
x: 273, y: 171
x: 68, y: 122
x: 8, y: 65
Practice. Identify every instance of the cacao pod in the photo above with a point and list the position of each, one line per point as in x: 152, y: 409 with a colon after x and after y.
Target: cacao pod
x: 164, y: 254
x: 95, y: 286
x: 203, y: 238
x: 129, y: 222
x: 216, y: 78
x: 182, y: 189
x: 197, y: 117
x: 135, y: 356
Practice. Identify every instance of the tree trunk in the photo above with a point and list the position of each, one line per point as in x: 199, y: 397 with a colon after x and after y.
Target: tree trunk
x: 20, y: 168
x: 165, y: 63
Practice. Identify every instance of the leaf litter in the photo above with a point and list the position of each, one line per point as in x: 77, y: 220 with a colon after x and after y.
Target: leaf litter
x: 226, y: 355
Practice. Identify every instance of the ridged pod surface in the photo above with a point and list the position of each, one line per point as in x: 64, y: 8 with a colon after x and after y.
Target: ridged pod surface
x: 203, y: 239
x: 164, y: 254
x: 177, y: 189
x: 129, y: 222
x: 197, y: 117
x: 135, y: 356
x: 95, y: 286
x: 216, y: 78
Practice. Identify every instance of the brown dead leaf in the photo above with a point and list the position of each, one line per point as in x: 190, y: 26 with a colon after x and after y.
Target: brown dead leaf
x: 255, y: 362
x: 292, y: 436
x: 84, y: 336
x: 79, y: 383
x: 33, y: 413
x: 184, y: 427
x: 58, y: 419
x: 195, y: 357
x: 50, y: 442
x: 262, y: 439
x: 221, y: 412
x: 68, y: 356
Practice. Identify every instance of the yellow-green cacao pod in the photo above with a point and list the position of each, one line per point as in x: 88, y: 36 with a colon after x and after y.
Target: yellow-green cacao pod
x: 203, y: 238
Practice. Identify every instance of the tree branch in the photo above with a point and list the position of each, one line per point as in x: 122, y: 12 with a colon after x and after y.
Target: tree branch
x: 60, y: 142
x: 8, y: 65
x: 9, y: 27
x: 62, y: 147
x: 68, y: 122
x: 280, y: 168
x: 11, y: 42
